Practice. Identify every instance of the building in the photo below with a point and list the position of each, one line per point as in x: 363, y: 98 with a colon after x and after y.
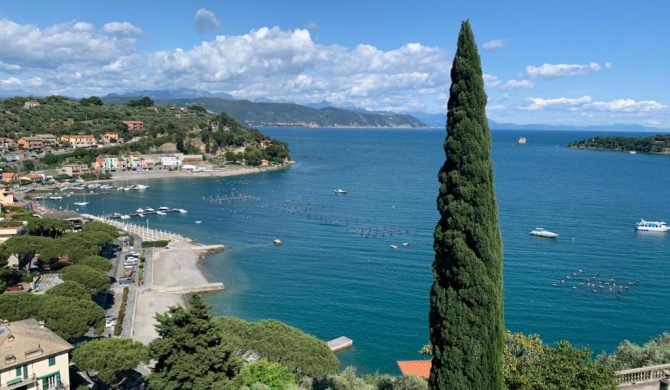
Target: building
x: 134, y: 125
x: 6, y: 143
x: 75, y: 169
x: 420, y: 368
x: 171, y: 161
x: 9, y: 177
x: 30, y: 143
x: 31, y: 104
x: 9, y: 229
x: 34, y: 177
x: 48, y: 139
x: 107, y: 163
x: 33, y: 357
x: 111, y: 136
x: 79, y: 141
x: 12, y: 157
x: 6, y: 197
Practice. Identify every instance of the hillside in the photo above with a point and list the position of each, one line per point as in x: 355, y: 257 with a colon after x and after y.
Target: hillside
x: 659, y: 143
x: 289, y: 114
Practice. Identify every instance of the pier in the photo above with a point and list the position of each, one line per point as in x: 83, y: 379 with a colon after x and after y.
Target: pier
x: 340, y: 343
x: 143, y: 232
x: 236, y: 197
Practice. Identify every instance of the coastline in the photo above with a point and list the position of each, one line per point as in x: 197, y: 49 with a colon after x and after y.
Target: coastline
x: 166, y: 174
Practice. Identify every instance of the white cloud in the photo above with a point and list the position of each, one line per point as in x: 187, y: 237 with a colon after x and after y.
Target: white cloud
x: 628, y: 105
x: 495, y: 44
x: 312, y: 26
x: 550, y: 71
x: 541, y: 104
x: 123, y: 29
x: 205, y: 20
x: 517, y: 84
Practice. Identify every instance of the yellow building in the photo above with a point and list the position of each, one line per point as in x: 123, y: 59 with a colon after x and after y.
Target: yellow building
x: 33, y: 357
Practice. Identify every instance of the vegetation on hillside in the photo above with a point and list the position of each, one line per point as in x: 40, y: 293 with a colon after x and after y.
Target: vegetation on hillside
x: 630, y: 355
x: 192, y: 130
x: 466, y: 300
x: 659, y: 143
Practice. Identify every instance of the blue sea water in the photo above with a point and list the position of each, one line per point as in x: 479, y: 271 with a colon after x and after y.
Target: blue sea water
x: 335, y: 273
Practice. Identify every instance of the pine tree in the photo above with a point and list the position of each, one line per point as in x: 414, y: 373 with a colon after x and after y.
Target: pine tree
x: 190, y: 352
x: 466, y: 300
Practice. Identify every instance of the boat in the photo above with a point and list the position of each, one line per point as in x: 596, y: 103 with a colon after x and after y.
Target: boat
x: 161, y: 212
x: 340, y: 191
x: 139, y: 210
x: 182, y: 211
x: 277, y: 242
x: 81, y: 203
x: 121, y: 189
x: 393, y: 246
x: 163, y: 208
x: 140, y: 214
x: 651, y: 226
x: 116, y: 215
x: 125, y: 216
x: 56, y: 197
x: 149, y: 210
x: 140, y: 187
x: 198, y: 221
x: 633, y: 152
x: 522, y: 141
x: 543, y: 233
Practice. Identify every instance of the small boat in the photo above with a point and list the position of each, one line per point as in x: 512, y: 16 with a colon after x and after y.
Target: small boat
x: 125, y: 216
x: 393, y: 246
x: 139, y: 210
x: 277, y: 242
x: 116, y: 215
x: 651, y: 226
x: 633, y: 152
x: 140, y: 214
x: 149, y: 210
x: 182, y: 211
x: 161, y: 212
x: 340, y: 191
x: 163, y: 208
x: 81, y: 203
x: 198, y: 221
x: 140, y: 187
x: 522, y: 141
x: 543, y: 233
x: 56, y: 197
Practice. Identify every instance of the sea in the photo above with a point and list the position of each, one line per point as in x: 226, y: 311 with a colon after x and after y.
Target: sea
x: 336, y: 273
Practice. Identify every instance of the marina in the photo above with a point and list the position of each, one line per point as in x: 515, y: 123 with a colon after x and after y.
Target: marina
x: 144, y: 212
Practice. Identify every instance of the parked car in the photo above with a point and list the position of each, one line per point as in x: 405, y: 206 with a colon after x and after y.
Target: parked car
x: 132, y: 256
x: 130, y: 262
x: 16, y: 287
x: 127, y: 280
x: 110, y: 321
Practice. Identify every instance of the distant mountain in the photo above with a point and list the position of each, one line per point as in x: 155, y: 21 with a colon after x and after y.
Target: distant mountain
x: 181, y: 93
x: 290, y: 114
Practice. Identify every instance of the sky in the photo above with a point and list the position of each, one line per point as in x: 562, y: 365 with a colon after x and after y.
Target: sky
x: 571, y: 62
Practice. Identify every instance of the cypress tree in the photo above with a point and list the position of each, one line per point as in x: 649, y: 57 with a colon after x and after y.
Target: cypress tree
x: 466, y: 300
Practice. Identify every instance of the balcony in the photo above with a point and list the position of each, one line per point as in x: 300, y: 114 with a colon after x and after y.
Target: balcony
x: 18, y: 382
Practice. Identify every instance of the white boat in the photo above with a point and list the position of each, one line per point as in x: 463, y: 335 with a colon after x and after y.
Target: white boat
x: 182, y: 211
x: 140, y: 214
x: 163, y: 208
x: 522, y: 141
x: 125, y: 216
x: 633, y: 152
x: 161, y: 212
x: 121, y: 189
x: 139, y: 210
x: 140, y: 187
x: 56, y: 197
x: 652, y: 226
x: 340, y: 191
x: 198, y: 221
x: 81, y: 203
x: 116, y: 215
x: 393, y: 246
x: 277, y: 242
x: 149, y: 210
x: 543, y: 233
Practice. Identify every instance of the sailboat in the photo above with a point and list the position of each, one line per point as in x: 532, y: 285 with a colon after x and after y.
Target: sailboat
x: 84, y: 203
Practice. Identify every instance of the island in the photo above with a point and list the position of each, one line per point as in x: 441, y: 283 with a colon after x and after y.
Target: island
x: 657, y: 144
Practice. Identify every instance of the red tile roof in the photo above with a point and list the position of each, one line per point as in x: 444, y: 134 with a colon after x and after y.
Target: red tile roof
x: 420, y: 368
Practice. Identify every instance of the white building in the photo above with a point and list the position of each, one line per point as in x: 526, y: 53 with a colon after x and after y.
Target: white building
x: 171, y: 161
x: 33, y: 357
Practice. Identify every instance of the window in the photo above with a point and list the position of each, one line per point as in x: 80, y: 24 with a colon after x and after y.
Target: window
x: 52, y: 361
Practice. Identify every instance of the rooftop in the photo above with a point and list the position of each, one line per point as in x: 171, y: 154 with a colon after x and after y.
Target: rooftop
x: 420, y: 368
x: 28, y: 340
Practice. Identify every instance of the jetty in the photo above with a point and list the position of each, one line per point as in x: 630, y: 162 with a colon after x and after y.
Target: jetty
x: 143, y: 232
x: 340, y: 343
x: 237, y: 197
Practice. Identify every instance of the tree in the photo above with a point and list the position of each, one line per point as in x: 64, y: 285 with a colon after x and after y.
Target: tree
x: 98, y: 262
x: 110, y: 357
x: 94, y: 280
x: 70, y: 289
x: 273, y: 375
x: 48, y: 227
x: 275, y: 341
x: 71, y: 317
x: 630, y: 355
x: 190, y: 352
x: 466, y: 299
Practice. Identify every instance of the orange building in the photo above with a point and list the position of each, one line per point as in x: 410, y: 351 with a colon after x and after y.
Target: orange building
x: 30, y: 143
x: 134, y: 125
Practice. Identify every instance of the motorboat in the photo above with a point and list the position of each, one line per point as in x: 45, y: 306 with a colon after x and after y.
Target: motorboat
x: 159, y: 212
x: 393, y: 246
x: 163, y: 208
x: 140, y: 214
x: 140, y: 187
x: 633, y: 152
x: 543, y: 233
x: 139, y: 210
x: 116, y: 215
x: 149, y: 210
x: 183, y: 211
x: 125, y: 216
x: 340, y: 191
x: 277, y: 242
x: 651, y: 226
x: 56, y: 197
x: 522, y: 141
x: 198, y: 221
x: 81, y: 203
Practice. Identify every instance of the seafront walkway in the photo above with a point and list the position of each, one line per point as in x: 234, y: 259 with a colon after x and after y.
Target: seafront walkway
x: 143, y: 232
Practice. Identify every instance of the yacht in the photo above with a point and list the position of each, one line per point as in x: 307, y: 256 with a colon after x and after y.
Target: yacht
x: 393, y: 246
x: 277, y: 242
x: 125, y: 216
x: 56, y: 197
x: 340, y: 191
x: 183, y: 211
x: 81, y: 203
x: 163, y: 208
x: 522, y: 141
x: 139, y: 210
x: 140, y: 187
x: 543, y: 233
x: 649, y: 226
x: 149, y: 210
x: 633, y: 152
x: 159, y: 212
